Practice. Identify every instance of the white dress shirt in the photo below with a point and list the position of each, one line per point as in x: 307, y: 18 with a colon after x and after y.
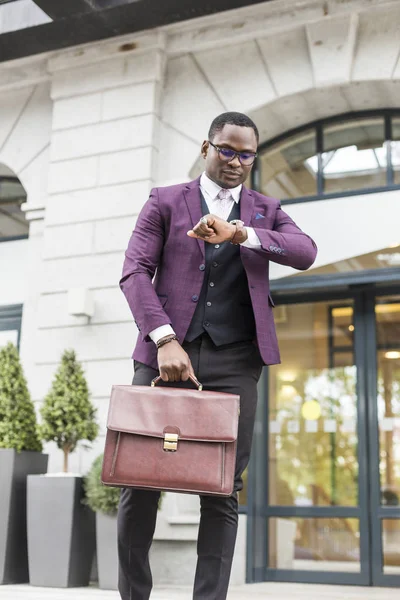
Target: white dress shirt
x: 210, y: 191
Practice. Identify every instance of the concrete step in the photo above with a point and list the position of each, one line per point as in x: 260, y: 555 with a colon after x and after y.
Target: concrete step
x: 263, y: 591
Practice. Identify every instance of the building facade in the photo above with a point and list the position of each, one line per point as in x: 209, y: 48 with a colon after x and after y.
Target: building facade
x: 87, y: 130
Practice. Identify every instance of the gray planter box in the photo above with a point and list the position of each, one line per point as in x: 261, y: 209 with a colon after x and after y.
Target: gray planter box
x: 107, y: 551
x: 14, y: 468
x: 61, y: 532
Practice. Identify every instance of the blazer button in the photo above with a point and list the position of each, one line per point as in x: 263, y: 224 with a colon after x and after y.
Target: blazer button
x: 195, y: 298
x: 202, y: 267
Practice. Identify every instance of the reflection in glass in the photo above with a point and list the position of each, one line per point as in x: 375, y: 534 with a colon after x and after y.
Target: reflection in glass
x: 354, y: 155
x: 7, y: 336
x: 12, y: 195
x: 396, y: 149
x: 391, y: 546
x: 242, y: 495
x: 285, y: 172
x: 314, y: 544
x: 388, y: 337
x: 313, y: 408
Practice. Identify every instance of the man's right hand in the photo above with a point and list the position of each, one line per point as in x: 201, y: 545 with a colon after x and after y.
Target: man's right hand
x: 174, y: 363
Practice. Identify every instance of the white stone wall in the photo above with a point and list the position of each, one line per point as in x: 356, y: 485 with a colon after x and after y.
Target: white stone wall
x: 25, y: 119
x: 103, y: 153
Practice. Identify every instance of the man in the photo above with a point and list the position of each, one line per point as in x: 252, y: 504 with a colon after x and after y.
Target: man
x: 208, y: 312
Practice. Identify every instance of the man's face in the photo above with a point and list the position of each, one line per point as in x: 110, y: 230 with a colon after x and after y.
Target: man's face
x: 229, y: 174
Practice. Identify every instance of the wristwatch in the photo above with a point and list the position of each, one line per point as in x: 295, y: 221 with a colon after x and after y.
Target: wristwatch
x: 240, y: 234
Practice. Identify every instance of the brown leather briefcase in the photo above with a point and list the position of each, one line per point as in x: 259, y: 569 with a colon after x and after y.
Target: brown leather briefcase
x: 174, y: 439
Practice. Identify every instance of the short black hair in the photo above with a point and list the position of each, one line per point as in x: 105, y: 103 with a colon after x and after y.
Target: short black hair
x: 231, y: 118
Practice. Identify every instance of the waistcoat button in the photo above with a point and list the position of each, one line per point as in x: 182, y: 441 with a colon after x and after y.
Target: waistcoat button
x: 212, y: 284
x: 208, y: 303
x: 216, y: 246
x: 215, y: 264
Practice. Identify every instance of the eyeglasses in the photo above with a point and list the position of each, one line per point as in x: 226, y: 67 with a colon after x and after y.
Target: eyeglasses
x: 226, y: 154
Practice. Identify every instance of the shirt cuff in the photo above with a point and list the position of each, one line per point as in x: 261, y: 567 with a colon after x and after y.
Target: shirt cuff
x: 161, y: 332
x: 253, y: 241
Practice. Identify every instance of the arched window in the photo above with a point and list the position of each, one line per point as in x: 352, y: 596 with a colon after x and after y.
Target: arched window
x: 13, y: 224
x: 345, y: 155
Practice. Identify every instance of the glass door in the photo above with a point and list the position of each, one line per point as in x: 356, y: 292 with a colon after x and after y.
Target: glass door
x: 324, y: 482
x: 314, y: 522
x: 385, y: 441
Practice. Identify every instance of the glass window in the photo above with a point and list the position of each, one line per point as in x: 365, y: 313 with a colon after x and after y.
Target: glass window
x: 12, y: 220
x: 309, y: 544
x: 387, y: 312
x: 396, y: 149
x: 354, y: 156
x: 285, y: 169
x: 7, y: 336
x: 391, y: 546
x: 313, y: 408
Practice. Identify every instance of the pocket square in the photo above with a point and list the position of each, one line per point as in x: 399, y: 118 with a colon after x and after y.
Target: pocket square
x: 258, y: 216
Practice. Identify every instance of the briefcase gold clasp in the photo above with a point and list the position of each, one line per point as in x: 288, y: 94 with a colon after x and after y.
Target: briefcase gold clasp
x: 170, y: 442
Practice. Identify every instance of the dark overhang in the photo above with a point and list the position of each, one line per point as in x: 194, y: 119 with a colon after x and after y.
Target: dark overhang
x: 81, y: 21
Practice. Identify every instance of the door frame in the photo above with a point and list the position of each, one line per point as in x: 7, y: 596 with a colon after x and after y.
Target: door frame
x: 377, y: 511
x: 363, y: 289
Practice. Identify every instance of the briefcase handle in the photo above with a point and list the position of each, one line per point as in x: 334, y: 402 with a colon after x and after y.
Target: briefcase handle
x: 191, y: 377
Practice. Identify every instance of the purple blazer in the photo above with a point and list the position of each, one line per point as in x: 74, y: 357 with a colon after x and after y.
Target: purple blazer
x: 159, y: 246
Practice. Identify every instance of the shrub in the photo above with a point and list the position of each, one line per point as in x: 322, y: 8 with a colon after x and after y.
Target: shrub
x: 18, y: 425
x: 67, y: 413
x: 100, y: 498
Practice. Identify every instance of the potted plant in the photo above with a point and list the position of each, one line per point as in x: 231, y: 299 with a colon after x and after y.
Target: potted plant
x: 61, y: 530
x: 20, y: 454
x: 104, y: 500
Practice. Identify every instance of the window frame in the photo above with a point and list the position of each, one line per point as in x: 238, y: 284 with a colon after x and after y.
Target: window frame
x: 318, y: 126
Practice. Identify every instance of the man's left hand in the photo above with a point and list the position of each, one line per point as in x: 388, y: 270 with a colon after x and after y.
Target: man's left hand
x: 215, y: 232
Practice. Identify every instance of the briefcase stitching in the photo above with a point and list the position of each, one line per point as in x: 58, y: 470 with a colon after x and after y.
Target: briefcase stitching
x: 114, y: 459
x: 223, y: 467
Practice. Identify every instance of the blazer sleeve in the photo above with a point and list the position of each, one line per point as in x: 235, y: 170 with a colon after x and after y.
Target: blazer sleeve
x: 141, y: 261
x: 286, y: 243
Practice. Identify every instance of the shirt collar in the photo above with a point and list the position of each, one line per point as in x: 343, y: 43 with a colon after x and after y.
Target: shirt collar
x: 213, y: 188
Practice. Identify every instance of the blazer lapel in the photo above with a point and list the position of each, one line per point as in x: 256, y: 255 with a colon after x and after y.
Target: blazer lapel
x: 246, y: 206
x: 193, y: 201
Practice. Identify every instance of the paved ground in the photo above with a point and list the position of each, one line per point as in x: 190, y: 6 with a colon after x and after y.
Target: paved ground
x: 264, y: 591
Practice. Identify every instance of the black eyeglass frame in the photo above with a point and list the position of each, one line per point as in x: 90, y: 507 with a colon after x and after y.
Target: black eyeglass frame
x: 235, y: 154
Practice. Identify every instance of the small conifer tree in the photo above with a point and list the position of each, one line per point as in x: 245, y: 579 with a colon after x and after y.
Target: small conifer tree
x: 101, y: 498
x: 67, y: 413
x: 18, y: 425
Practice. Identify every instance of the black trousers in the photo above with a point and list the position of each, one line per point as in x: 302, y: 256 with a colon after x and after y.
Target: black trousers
x: 233, y: 368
